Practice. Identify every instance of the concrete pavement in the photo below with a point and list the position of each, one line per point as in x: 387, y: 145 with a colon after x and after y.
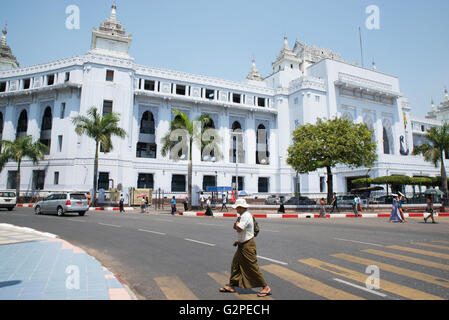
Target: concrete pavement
x: 39, y: 266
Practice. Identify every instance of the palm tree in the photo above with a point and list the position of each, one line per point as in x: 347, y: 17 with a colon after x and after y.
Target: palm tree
x: 18, y: 150
x: 435, y: 151
x: 182, y: 129
x: 101, y: 129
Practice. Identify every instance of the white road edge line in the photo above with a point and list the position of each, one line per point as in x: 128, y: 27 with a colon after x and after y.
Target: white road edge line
x: 272, y: 260
x: 110, y: 225
x: 205, y: 243
x: 76, y: 220
x: 155, y: 232
x: 361, y: 288
x: 372, y: 244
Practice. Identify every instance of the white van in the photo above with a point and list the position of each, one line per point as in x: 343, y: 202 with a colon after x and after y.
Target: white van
x: 8, y: 200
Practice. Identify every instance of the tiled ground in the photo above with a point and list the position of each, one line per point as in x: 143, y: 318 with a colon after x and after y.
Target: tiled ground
x: 42, y: 269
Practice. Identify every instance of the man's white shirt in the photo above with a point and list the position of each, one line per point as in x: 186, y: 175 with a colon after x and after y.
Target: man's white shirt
x: 247, y: 225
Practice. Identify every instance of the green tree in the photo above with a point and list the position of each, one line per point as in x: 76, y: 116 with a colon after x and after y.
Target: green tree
x: 101, y: 129
x: 434, y: 152
x: 18, y: 150
x: 331, y: 142
x: 183, y: 132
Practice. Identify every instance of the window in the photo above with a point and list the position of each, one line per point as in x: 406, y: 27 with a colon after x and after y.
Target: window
x: 26, y: 83
x: 59, y: 143
x: 178, y: 183
x: 103, y: 181
x: 62, y: 115
x: 317, y: 98
x: 210, y: 94
x: 56, y: 178
x: 261, y: 102
x: 110, y: 75
x: 22, y: 125
x: 149, y: 85
x: 107, y: 107
x: 386, y: 142
x: 67, y: 77
x: 38, y: 179
x: 180, y: 90
x: 322, y: 184
x: 146, y: 150
x: 240, y: 182
x: 3, y: 86
x: 236, y: 148
x: 45, y: 137
x: 11, y: 183
x: 423, y: 128
x: 209, y: 181
x: 50, y: 79
x: 145, y: 181
x: 263, y: 185
x: 262, y: 154
x: 236, y: 98
x: 1, y: 126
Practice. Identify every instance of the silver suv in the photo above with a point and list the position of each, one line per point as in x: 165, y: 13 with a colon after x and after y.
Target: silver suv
x: 61, y: 203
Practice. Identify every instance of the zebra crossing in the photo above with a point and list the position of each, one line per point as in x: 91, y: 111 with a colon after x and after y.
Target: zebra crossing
x: 402, y: 267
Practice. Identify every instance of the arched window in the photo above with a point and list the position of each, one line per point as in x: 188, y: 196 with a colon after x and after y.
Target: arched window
x: 22, y: 125
x: 146, y: 146
x: 211, y: 156
x: 237, y: 143
x: 348, y: 116
x: 386, y: 142
x: 262, y: 154
x: 370, y: 125
x: 47, y: 123
x: 1, y: 126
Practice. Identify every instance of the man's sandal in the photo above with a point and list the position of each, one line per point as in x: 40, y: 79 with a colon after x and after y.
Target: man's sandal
x: 264, y: 294
x: 225, y: 290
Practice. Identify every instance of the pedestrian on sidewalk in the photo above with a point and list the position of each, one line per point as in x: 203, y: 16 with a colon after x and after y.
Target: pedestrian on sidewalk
x: 208, y: 207
x: 147, y: 205
x: 429, y: 209
x: 281, y: 207
x: 395, y: 216
x: 173, y: 205
x: 245, y: 272
x: 186, y: 203
x: 224, y: 201
x: 322, y: 208
x: 202, y: 200
x: 334, y: 203
x: 401, y: 210
x: 142, y: 205
x: 121, y: 203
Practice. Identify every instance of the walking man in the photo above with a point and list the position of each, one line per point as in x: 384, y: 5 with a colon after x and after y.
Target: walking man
x: 224, y: 201
x: 429, y: 209
x: 334, y: 203
x: 245, y: 272
x: 322, y: 208
x: 121, y: 203
x: 173, y: 205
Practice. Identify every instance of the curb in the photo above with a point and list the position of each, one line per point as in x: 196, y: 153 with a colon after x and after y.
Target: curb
x: 28, y: 205
x: 41, y: 233
x: 308, y: 215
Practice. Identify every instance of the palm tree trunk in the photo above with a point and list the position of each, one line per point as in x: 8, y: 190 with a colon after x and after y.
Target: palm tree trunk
x: 444, y: 181
x: 94, y: 195
x: 189, y: 174
x: 18, y: 180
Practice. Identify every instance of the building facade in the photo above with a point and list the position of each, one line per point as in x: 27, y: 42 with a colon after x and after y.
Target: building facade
x: 254, y: 118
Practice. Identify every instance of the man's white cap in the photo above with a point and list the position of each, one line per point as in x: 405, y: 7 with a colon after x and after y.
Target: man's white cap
x: 241, y: 203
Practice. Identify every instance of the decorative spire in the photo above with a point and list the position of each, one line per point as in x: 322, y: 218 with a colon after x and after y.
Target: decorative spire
x: 286, y: 46
x: 446, y: 95
x: 114, y: 12
x: 254, y: 73
x: 4, y: 33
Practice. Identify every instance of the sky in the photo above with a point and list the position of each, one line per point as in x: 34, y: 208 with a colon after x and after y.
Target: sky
x: 219, y: 38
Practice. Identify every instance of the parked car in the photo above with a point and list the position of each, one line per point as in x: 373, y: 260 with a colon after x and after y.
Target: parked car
x: 61, y: 203
x: 300, y: 201
x: 274, y: 199
x: 8, y: 200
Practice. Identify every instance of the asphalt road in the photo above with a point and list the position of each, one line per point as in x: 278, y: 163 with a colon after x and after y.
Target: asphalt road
x: 173, y: 257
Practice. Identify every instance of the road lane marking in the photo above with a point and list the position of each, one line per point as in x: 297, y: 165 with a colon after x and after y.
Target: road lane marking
x: 110, y: 225
x: 423, y: 252
x: 75, y: 220
x: 423, y: 262
x: 422, y: 244
x: 223, y: 279
x: 272, y: 260
x: 174, y: 289
x: 155, y: 232
x: 360, y: 287
x: 200, y: 242
x: 163, y: 220
x: 372, y: 244
x: 441, y: 241
x: 401, y: 271
x: 391, y: 287
x: 309, y: 284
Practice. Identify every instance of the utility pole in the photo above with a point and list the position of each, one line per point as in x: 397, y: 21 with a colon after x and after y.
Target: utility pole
x: 361, y: 46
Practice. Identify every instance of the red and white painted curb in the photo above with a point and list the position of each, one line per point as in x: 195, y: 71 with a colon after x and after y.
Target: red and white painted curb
x: 25, y: 205
x: 28, y: 205
x: 310, y: 215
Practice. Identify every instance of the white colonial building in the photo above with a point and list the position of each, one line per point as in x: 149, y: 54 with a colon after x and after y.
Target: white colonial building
x: 306, y: 83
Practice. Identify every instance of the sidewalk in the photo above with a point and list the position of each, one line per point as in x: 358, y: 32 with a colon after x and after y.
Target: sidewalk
x: 40, y: 266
